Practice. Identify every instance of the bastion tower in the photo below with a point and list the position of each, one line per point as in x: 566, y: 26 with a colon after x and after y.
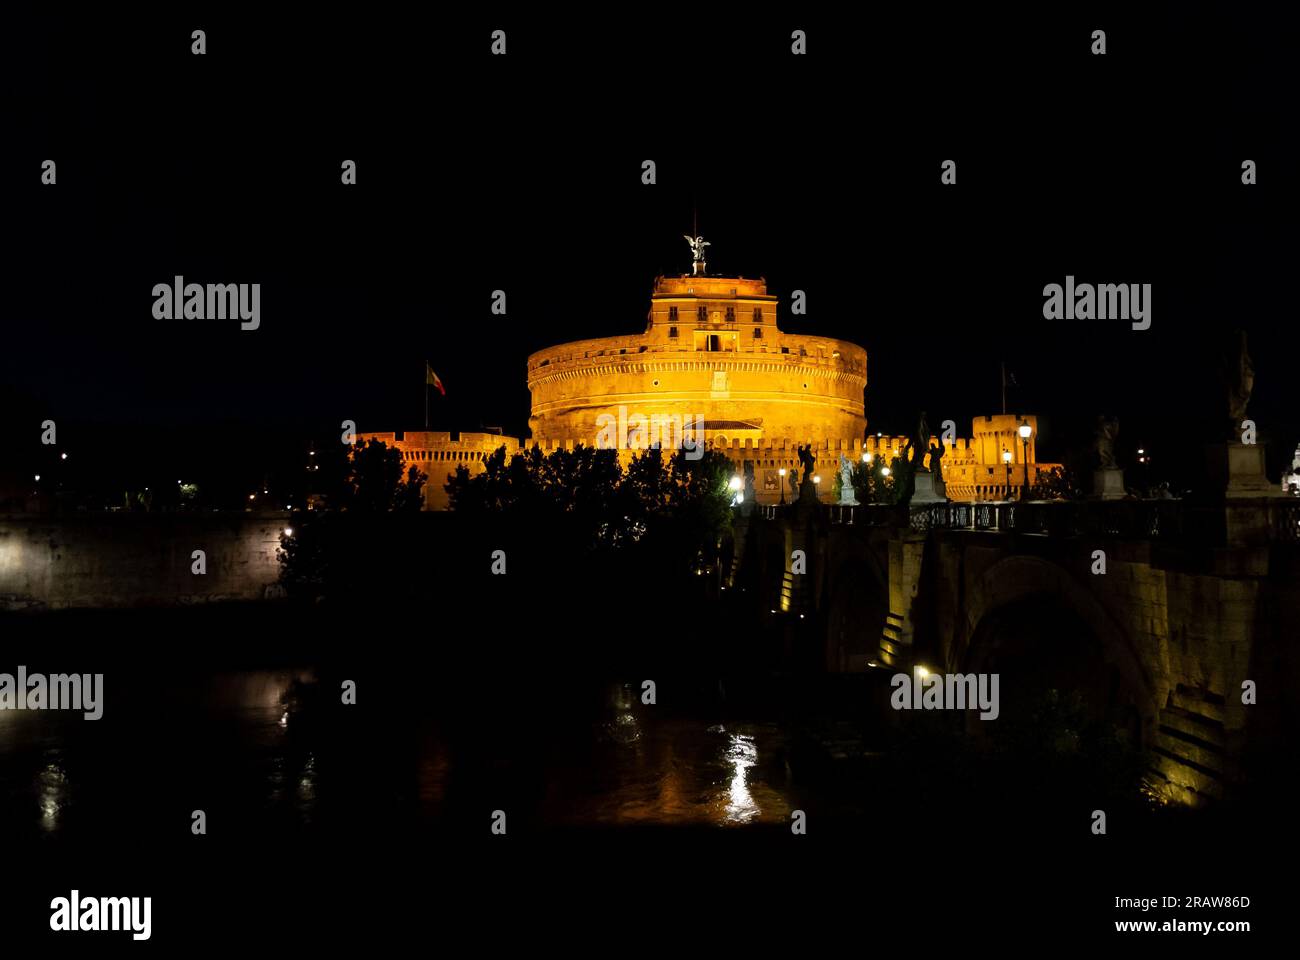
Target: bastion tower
x: 711, y: 351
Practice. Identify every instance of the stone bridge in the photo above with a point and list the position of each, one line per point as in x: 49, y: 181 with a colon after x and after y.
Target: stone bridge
x: 1155, y: 612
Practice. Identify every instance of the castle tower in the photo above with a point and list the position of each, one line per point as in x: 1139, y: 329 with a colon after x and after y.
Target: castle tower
x: 711, y: 350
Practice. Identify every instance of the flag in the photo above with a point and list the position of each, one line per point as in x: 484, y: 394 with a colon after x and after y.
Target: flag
x: 431, y: 379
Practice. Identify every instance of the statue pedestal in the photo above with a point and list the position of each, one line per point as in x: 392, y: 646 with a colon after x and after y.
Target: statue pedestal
x: 1238, y: 470
x: 1108, y: 483
x: 928, y: 489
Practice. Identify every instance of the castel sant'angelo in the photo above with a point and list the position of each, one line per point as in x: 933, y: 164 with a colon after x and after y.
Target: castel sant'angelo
x: 712, y: 361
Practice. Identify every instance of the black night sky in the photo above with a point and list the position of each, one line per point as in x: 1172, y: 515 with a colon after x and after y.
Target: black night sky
x: 475, y: 174
x: 523, y: 173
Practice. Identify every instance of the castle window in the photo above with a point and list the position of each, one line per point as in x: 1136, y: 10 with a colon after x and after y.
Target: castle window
x: 672, y: 333
x: 785, y: 349
x: 758, y: 333
x: 731, y: 314
x: 702, y: 313
x: 672, y: 314
x: 758, y: 314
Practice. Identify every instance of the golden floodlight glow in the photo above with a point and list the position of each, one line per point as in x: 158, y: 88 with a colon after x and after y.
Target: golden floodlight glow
x: 884, y: 471
x: 1025, y: 431
x: 734, y: 483
x: 922, y: 671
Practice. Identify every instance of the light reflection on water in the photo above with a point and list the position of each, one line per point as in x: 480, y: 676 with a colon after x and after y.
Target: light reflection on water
x: 655, y: 769
x: 52, y: 789
x: 742, y: 753
x: 274, y: 755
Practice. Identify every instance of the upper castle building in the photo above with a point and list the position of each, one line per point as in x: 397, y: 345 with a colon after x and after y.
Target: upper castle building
x: 712, y: 358
x: 711, y: 349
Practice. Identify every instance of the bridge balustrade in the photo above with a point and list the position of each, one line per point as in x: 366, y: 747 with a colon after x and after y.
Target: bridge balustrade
x: 1119, y: 519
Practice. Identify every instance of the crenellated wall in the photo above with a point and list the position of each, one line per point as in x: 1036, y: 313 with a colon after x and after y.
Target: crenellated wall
x: 437, y: 455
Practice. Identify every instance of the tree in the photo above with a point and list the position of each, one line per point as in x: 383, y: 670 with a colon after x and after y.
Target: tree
x: 374, y: 480
x: 870, y: 484
x: 1059, y: 483
x: 583, y: 497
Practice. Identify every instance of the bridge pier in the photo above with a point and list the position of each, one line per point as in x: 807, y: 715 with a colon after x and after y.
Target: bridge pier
x: 1189, y: 604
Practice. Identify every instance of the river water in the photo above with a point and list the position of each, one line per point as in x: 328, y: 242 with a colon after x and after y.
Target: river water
x: 268, y: 749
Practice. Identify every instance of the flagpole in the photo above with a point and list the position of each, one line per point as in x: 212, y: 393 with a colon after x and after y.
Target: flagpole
x: 426, y: 396
x: 1004, y: 387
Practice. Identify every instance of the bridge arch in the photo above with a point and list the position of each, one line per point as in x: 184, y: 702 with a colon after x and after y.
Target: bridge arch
x: 1022, y: 595
x: 857, y: 604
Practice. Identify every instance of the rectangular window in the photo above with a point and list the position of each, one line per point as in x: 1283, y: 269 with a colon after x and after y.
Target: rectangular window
x: 731, y: 314
x: 672, y: 314
x: 758, y: 314
x: 758, y: 333
x: 702, y: 313
x: 672, y: 333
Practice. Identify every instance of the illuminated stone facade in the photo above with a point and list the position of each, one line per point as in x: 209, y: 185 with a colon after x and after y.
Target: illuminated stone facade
x: 713, y: 357
x: 711, y: 348
x: 437, y: 455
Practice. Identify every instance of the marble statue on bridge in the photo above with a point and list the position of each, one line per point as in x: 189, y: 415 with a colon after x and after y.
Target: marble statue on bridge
x: 847, y: 499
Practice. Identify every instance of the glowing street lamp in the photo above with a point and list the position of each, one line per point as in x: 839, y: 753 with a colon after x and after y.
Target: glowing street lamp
x: 734, y: 486
x: 1026, y: 431
x: 782, y: 474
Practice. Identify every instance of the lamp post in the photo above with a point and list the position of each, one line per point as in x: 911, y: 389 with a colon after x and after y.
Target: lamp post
x: 1025, y: 432
x: 782, y: 473
x: 1006, y: 463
